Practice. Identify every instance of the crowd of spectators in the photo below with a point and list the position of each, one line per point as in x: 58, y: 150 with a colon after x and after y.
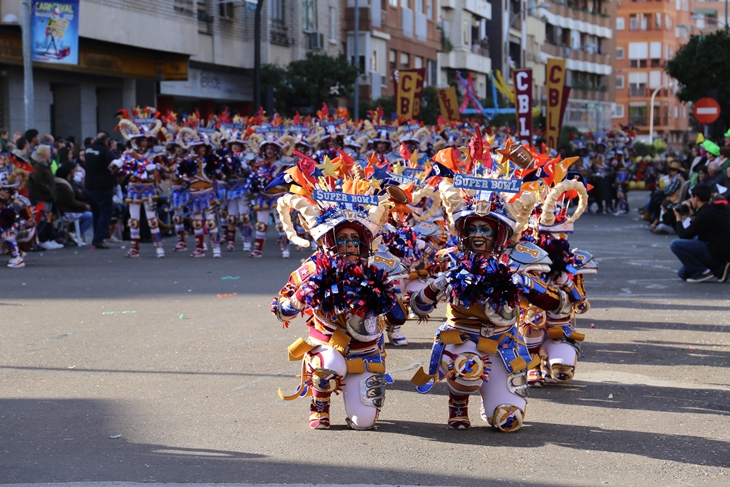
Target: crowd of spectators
x: 72, y: 191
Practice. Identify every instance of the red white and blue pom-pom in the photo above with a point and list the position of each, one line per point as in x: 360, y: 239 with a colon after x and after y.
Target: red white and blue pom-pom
x: 187, y: 167
x: 403, y: 243
x: 558, y: 249
x: 475, y: 279
x: 339, y: 285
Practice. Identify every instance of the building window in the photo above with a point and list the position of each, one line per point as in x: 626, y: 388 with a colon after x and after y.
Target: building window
x: 225, y: 10
x: 391, y: 59
x: 658, y: 21
x: 637, y: 115
x: 619, y: 82
x: 618, y: 111
x: 310, y: 17
x: 333, y: 24
x: 276, y: 12
x: 418, y: 62
x: 634, y: 21
x: 393, y: 3
x: 619, y: 53
x: 429, y: 8
x: 432, y: 72
x: 619, y: 23
x: 374, y: 61
x: 405, y: 60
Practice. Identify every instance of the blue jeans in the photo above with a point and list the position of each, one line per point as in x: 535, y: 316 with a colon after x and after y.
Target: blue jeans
x: 101, y: 207
x: 695, y: 258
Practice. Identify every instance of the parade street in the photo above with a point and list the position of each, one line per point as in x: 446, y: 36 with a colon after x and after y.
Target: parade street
x: 166, y: 371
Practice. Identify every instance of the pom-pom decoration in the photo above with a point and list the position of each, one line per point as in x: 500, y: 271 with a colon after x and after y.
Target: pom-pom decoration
x: 340, y: 286
x: 558, y: 249
x: 475, y: 279
x: 187, y: 167
x: 403, y: 243
x: 7, y: 218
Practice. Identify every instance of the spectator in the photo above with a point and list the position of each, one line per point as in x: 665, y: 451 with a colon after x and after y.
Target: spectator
x: 21, y: 148
x: 87, y: 142
x: 69, y: 204
x: 715, y: 175
x: 704, y: 246
x: 669, y: 195
x: 4, y: 140
x: 725, y: 158
x: 100, y: 187
x: 42, y: 186
x: 31, y: 135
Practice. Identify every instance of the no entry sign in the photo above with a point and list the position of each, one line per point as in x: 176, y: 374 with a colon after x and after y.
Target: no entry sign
x: 706, y: 110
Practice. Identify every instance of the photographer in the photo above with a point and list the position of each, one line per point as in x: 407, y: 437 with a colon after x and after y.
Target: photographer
x: 704, y: 246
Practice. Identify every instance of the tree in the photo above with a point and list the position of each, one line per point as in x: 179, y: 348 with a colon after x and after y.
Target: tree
x: 305, y: 84
x: 703, y: 65
x: 641, y: 149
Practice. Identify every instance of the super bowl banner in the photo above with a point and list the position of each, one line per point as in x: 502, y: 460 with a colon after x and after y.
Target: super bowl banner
x: 409, y: 91
x: 555, y: 84
x: 55, y: 31
x: 448, y: 104
x: 522, y: 79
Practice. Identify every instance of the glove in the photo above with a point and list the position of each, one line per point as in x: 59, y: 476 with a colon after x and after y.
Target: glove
x: 150, y: 167
x: 440, y: 282
x: 563, y: 279
x: 521, y: 280
x: 117, y: 163
x: 421, y: 244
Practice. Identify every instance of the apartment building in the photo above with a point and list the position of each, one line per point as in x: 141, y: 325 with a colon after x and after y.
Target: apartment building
x: 580, y: 31
x: 177, y: 55
x: 465, y: 42
x: 393, y: 34
x: 649, y: 34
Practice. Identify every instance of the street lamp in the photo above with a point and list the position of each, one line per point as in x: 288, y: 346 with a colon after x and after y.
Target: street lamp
x: 28, y: 90
x: 514, y: 17
x: 651, y: 106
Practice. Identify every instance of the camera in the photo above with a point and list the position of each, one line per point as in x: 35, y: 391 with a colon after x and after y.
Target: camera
x: 682, y: 208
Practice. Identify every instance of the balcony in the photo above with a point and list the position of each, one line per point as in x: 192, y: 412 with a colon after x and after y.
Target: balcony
x: 590, y: 95
x: 581, y: 15
x: 577, y: 55
x: 465, y: 60
x: 584, y: 22
x: 482, y: 8
x: 638, y: 92
x: 638, y: 120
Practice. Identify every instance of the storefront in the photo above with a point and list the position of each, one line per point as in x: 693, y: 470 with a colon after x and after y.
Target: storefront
x: 208, y: 91
x: 82, y: 99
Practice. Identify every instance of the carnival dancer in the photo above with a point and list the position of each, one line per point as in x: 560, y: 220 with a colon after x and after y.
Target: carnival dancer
x: 10, y: 218
x: 141, y: 166
x: 478, y: 348
x: 179, y: 195
x: 344, y: 295
x: 551, y: 334
x: 199, y: 171
x: 264, y: 170
x: 238, y: 193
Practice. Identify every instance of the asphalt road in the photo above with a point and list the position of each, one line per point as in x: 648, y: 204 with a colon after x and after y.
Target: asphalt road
x: 166, y: 371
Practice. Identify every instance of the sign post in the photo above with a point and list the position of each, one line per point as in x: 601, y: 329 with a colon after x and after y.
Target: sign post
x: 523, y: 104
x: 555, y: 85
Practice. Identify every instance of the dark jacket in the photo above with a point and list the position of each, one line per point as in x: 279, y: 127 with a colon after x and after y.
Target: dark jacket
x: 711, y: 225
x: 98, y: 176
x: 66, y: 200
x: 42, y: 184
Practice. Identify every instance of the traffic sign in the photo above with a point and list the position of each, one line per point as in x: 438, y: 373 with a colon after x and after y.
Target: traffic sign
x: 706, y: 110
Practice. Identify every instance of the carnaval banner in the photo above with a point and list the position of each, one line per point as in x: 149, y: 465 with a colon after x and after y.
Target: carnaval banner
x: 555, y: 85
x: 359, y: 199
x: 409, y: 91
x: 523, y: 104
x: 54, y: 31
x: 449, y: 104
x: 484, y: 184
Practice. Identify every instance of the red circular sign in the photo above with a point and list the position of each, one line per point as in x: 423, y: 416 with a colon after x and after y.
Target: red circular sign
x: 706, y: 110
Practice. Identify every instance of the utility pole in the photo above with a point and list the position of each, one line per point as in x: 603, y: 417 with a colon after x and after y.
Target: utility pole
x: 356, y: 108
x: 29, y: 95
x: 256, y: 56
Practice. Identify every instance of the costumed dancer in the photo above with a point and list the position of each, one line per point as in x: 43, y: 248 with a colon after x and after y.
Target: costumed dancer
x: 199, y: 171
x: 264, y: 170
x: 239, y: 192
x: 551, y: 334
x: 139, y: 165
x: 478, y: 348
x: 179, y: 194
x: 344, y: 295
x: 10, y: 218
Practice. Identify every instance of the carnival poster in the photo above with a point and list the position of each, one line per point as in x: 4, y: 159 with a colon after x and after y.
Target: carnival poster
x: 55, y: 31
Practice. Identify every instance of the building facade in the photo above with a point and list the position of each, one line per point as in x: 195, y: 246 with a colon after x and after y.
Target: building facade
x: 393, y: 35
x: 580, y: 31
x: 177, y: 55
x: 649, y: 34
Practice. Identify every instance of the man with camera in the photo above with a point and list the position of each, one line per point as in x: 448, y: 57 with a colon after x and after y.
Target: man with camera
x: 703, y: 246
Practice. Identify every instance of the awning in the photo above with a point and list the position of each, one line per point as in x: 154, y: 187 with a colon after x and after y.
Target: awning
x: 706, y: 12
x: 637, y: 103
